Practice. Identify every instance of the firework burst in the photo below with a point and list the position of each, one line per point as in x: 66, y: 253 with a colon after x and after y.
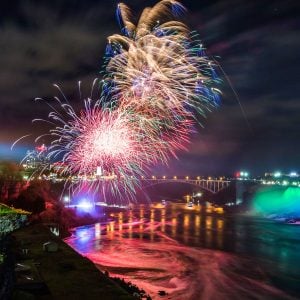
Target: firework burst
x: 157, y: 82
x: 159, y: 68
x: 158, y: 71
x: 99, y: 147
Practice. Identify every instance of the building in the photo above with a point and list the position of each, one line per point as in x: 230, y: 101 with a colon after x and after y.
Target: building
x: 37, y: 159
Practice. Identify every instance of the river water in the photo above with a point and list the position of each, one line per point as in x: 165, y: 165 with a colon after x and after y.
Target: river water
x: 196, y: 253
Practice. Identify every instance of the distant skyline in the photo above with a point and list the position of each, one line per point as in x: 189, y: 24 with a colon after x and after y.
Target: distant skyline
x: 256, y: 42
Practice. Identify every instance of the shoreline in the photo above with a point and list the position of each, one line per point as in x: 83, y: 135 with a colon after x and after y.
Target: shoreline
x: 57, y: 274
x: 132, y: 289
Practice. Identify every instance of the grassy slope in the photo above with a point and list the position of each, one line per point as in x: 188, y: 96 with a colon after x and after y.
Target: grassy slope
x: 80, y: 281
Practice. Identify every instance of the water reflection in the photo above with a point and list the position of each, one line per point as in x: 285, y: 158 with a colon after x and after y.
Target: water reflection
x: 198, y: 226
x: 211, y: 254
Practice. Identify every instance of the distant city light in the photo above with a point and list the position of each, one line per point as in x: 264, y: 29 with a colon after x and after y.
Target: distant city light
x: 293, y: 174
x: 242, y: 174
x: 84, y: 204
x: 277, y: 174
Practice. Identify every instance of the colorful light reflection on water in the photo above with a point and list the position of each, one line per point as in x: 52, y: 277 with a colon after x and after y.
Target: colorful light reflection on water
x: 196, y: 253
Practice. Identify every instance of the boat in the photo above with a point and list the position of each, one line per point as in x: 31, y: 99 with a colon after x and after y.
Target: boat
x: 190, y: 204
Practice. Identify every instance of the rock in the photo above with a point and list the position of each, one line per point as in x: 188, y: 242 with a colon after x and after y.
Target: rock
x: 162, y: 293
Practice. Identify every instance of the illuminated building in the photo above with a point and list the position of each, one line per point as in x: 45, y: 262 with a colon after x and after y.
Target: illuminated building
x: 37, y: 158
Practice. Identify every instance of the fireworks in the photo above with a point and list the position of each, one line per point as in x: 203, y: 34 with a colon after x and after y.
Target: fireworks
x: 99, y: 138
x: 158, y: 71
x: 158, y: 67
x: 98, y: 146
x: 157, y: 82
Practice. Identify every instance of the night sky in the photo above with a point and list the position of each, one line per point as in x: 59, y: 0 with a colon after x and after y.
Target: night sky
x: 256, y: 42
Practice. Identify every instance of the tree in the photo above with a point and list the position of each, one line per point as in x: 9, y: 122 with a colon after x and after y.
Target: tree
x: 11, y: 180
x: 10, y: 171
x: 34, y: 197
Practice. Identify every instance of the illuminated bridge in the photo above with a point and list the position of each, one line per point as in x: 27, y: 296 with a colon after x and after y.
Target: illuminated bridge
x: 211, y: 185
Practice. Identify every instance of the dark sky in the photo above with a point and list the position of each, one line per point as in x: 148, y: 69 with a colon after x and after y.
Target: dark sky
x: 257, y: 43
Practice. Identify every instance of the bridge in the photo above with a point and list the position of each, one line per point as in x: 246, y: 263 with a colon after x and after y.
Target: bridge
x: 212, y: 185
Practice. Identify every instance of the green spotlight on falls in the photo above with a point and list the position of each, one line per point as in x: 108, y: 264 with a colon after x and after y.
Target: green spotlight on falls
x: 278, y: 202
